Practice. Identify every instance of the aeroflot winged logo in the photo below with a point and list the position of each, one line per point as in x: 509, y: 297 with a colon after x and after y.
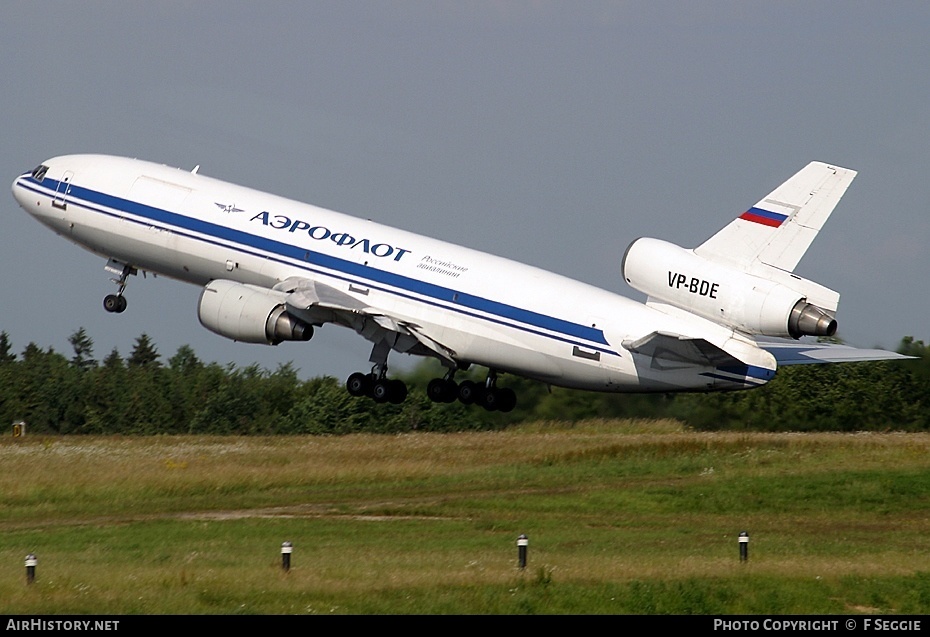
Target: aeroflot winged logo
x: 321, y: 233
x: 227, y: 208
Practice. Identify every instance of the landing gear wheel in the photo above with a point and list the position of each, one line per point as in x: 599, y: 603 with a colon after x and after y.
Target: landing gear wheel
x: 392, y: 391
x: 358, y: 384
x: 380, y: 391
x: 114, y: 303
x: 436, y: 390
x: 506, y: 399
x: 488, y: 399
x: 397, y: 391
x: 442, y: 390
x: 468, y: 392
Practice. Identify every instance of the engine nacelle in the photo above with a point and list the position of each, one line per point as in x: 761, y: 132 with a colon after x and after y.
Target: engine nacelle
x: 774, y: 303
x: 249, y: 313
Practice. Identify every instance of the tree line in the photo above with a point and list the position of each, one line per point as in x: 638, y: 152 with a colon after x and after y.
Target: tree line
x: 142, y: 393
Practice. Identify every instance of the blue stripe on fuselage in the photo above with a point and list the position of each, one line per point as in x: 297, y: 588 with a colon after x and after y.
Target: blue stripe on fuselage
x: 439, y: 293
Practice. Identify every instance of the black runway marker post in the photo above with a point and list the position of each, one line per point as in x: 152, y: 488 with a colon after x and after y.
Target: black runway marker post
x: 744, y: 546
x: 31, y: 562
x: 286, y: 549
x: 522, y: 543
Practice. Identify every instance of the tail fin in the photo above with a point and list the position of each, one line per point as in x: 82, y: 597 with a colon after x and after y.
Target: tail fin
x: 778, y: 230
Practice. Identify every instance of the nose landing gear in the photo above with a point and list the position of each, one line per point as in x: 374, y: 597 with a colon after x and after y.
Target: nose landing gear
x: 117, y: 302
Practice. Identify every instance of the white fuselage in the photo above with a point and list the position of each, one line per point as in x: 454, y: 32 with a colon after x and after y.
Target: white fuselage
x: 488, y: 310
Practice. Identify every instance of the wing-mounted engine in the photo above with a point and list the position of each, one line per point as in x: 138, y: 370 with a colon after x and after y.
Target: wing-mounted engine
x: 761, y: 300
x: 249, y: 313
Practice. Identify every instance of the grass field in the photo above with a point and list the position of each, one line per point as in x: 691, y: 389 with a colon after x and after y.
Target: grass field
x: 622, y: 517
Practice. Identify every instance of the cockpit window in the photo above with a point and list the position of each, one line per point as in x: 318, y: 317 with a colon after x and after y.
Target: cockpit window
x: 39, y: 173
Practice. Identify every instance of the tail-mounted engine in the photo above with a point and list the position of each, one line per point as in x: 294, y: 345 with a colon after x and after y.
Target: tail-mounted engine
x: 249, y: 313
x: 764, y: 300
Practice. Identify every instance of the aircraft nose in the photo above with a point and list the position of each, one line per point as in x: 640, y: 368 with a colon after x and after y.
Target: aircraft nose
x: 23, y: 188
x: 19, y: 190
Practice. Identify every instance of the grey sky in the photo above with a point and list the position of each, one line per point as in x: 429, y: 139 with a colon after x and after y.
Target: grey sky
x: 551, y: 132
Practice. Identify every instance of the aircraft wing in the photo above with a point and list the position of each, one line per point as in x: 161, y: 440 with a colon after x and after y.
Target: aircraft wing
x: 318, y: 303
x: 796, y: 353
x: 307, y: 294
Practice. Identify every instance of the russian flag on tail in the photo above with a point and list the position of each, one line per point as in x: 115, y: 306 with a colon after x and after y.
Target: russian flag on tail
x: 765, y: 217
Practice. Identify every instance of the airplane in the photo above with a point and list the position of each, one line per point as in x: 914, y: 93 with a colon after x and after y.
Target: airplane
x: 722, y: 316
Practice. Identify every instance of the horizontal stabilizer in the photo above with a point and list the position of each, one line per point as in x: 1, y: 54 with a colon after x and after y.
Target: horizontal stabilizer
x: 675, y: 348
x: 794, y: 353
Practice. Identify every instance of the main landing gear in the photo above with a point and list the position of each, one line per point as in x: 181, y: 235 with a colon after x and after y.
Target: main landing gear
x: 117, y: 302
x: 377, y: 387
x: 488, y: 395
x: 381, y: 389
